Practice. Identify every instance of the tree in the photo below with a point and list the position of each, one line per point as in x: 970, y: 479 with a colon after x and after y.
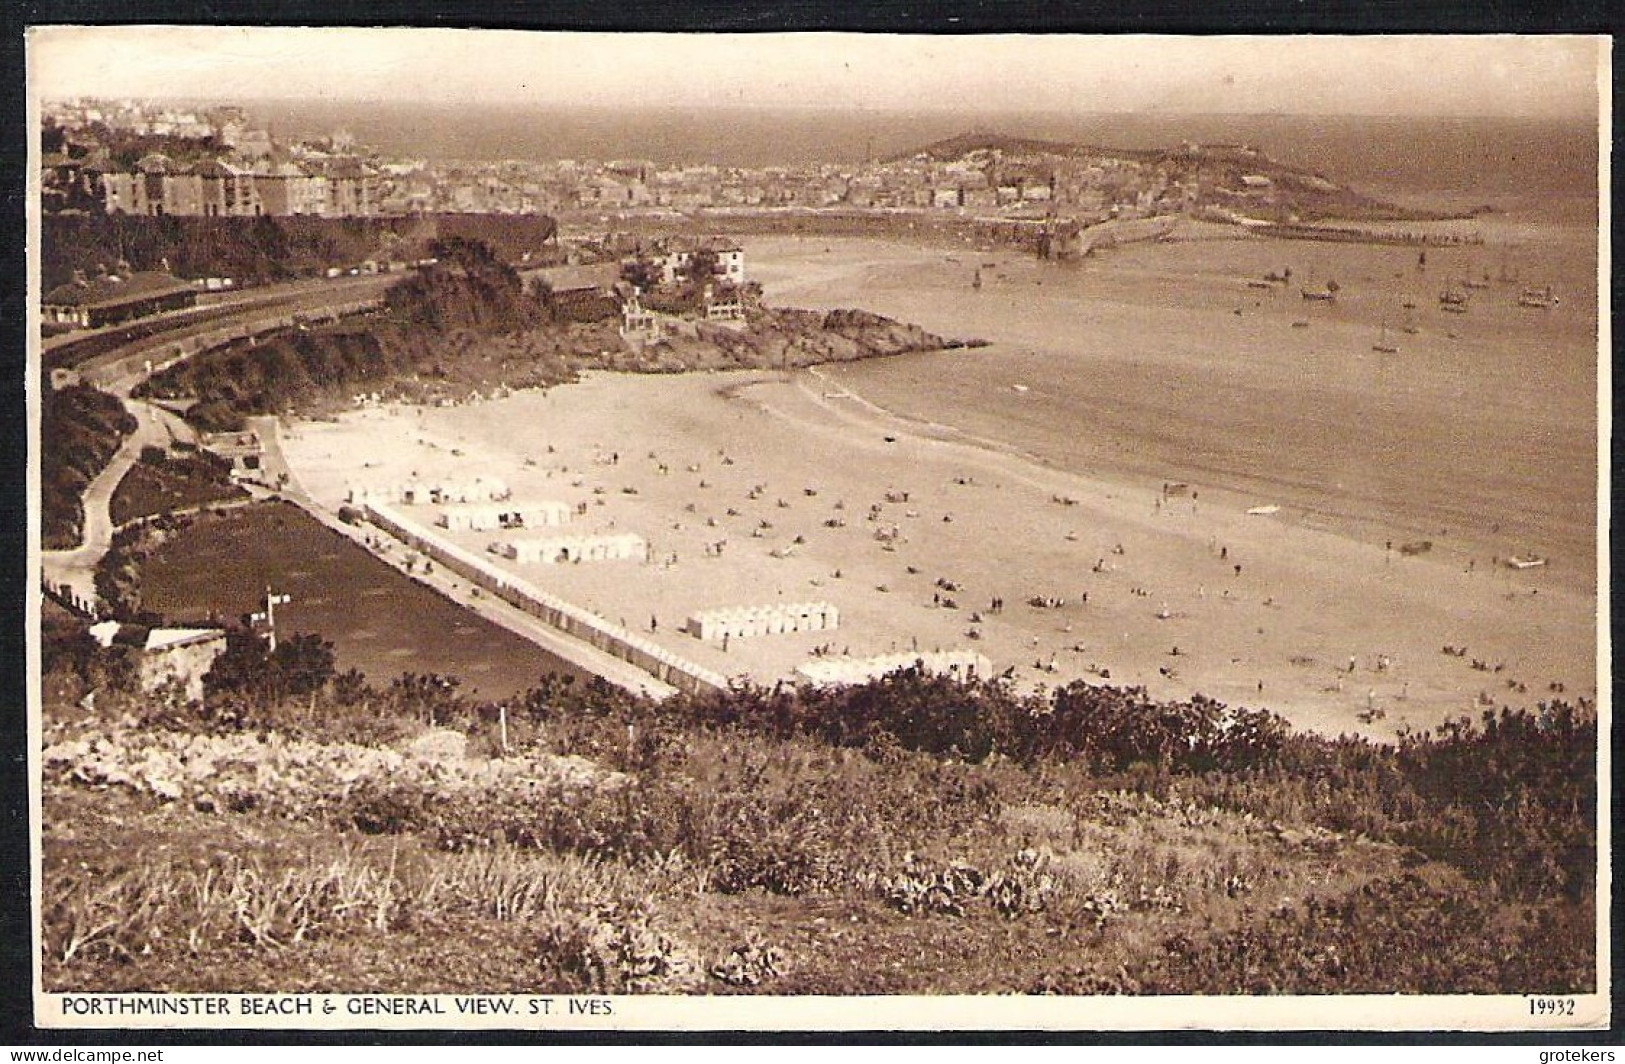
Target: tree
x: 301, y: 665
x: 701, y: 266
x: 241, y: 668
x: 641, y: 273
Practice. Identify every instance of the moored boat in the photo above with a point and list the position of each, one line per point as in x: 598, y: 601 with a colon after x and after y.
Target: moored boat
x: 1542, y: 296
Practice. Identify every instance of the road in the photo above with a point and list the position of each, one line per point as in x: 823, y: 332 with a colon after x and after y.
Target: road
x: 75, y: 570
x: 121, y: 373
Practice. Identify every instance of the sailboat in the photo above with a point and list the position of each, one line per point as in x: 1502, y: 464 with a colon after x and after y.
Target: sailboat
x: 976, y: 280
x: 1382, y: 345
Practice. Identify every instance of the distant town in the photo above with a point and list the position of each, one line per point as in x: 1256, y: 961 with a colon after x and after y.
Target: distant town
x: 146, y: 158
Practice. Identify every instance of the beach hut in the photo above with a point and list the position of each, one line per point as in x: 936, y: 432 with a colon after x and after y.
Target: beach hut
x: 960, y: 665
x: 545, y: 514
x: 471, y: 517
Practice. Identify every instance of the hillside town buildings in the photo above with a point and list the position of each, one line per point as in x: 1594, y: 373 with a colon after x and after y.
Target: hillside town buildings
x: 222, y: 165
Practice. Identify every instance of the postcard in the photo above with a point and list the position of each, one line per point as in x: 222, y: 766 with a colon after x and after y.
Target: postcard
x: 617, y: 531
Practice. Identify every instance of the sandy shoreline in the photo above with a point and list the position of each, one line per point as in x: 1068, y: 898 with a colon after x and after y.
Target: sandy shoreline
x: 758, y: 487
x: 1284, y: 621
x: 1158, y: 362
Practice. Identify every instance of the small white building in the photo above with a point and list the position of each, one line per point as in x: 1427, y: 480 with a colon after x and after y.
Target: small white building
x: 558, y: 550
x: 745, y: 622
x: 180, y: 656
x: 479, y: 489
x: 490, y: 517
x: 960, y: 665
x: 414, y: 492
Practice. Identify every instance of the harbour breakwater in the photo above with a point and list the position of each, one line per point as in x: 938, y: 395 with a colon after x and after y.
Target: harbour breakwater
x: 553, y: 611
x: 1348, y: 235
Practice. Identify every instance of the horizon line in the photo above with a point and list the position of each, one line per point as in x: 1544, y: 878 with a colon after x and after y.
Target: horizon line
x: 745, y: 106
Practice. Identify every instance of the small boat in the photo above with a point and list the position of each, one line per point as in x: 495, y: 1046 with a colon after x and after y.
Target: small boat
x: 1453, y: 297
x: 1263, y: 511
x: 1538, y: 297
x: 1382, y: 345
x: 1527, y: 561
x: 1319, y: 295
x: 1300, y: 324
x: 1260, y: 284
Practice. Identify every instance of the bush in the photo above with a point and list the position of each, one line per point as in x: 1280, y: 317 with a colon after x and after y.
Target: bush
x: 617, y: 948
x: 80, y: 431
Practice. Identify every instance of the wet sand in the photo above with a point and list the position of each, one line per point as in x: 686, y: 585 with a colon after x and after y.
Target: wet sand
x: 1477, y: 434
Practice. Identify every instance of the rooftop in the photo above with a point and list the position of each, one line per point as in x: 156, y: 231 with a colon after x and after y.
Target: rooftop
x: 114, y: 289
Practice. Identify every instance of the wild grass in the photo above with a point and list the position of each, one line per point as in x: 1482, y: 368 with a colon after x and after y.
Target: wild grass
x: 620, y: 849
x: 149, y: 909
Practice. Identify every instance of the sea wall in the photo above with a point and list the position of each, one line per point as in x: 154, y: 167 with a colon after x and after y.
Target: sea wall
x: 553, y: 611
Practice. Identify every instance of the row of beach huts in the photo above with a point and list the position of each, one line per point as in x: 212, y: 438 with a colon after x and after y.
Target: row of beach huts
x: 961, y: 665
x: 568, y: 618
x: 486, y: 504
x: 744, y: 622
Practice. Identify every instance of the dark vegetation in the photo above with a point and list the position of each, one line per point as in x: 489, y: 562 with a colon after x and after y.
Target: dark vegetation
x: 81, y: 429
x: 265, y: 249
x: 429, y: 322
x: 125, y: 148
x: 469, y: 325
x: 163, y: 481
x: 959, y: 839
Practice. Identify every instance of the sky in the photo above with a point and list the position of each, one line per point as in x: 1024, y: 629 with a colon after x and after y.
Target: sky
x: 1530, y: 76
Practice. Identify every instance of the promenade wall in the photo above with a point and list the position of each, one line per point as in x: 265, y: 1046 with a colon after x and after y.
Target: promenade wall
x: 553, y: 611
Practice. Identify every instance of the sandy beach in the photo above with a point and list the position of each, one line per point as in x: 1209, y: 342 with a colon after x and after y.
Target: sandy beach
x: 829, y: 485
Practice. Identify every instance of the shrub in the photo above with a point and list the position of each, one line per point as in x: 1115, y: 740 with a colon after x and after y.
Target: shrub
x: 751, y: 963
x: 616, y: 948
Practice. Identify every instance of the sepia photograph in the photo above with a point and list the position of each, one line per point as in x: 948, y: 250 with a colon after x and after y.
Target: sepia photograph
x: 817, y: 531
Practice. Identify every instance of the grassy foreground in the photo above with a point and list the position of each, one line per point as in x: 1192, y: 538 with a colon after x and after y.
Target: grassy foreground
x: 301, y: 831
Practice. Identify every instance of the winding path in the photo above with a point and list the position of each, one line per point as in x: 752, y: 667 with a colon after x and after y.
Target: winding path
x: 73, y: 571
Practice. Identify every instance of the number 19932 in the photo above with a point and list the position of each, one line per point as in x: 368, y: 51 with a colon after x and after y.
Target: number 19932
x: 1547, y: 1006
